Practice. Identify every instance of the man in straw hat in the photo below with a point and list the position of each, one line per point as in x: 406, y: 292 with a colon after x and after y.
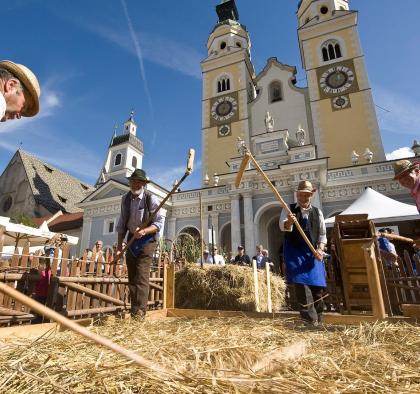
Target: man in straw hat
x: 20, y: 91
x: 407, y: 173
x: 305, y: 270
x: 136, y: 207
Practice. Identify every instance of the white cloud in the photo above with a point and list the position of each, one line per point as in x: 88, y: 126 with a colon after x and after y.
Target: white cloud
x: 400, y: 153
x: 157, y: 49
x: 403, y: 116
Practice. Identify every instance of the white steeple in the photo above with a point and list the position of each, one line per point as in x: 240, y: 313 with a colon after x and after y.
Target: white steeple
x: 125, y: 153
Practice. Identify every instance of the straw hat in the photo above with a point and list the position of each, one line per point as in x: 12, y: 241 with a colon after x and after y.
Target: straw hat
x: 401, y: 167
x: 139, y: 175
x: 29, y: 81
x: 305, y: 187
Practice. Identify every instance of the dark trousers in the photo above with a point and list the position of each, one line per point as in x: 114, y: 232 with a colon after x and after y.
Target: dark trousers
x: 138, y: 277
x: 310, y: 303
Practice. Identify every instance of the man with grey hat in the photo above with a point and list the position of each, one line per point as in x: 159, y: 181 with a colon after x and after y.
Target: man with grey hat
x: 407, y: 173
x: 137, y: 207
x: 303, y: 269
x: 19, y: 90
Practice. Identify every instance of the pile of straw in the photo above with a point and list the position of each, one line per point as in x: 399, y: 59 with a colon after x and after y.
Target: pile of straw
x: 219, y: 356
x: 228, y: 287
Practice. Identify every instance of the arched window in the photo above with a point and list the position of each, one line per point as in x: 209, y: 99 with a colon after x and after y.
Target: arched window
x: 331, y: 50
x: 223, y: 84
x: 134, y: 162
x: 117, y: 161
x: 276, y: 93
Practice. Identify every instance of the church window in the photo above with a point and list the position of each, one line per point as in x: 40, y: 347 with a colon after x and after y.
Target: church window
x: 331, y: 50
x: 62, y: 199
x: 238, y: 44
x: 222, y: 45
x: 118, y: 158
x: 134, y: 162
x: 324, y: 10
x: 7, y: 203
x: 223, y: 84
x: 84, y: 187
x: 275, y: 92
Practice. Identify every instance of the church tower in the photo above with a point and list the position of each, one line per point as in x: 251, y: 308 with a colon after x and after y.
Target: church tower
x: 340, y: 96
x: 227, y: 88
x: 125, y: 153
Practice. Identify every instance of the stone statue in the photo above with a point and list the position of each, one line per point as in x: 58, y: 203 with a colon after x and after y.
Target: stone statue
x: 300, y: 136
x: 269, y: 122
x: 354, y: 157
x: 206, y: 180
x: 216, y: 179
x: 368, y: 155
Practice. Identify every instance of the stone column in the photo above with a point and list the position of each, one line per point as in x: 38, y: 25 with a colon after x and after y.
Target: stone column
x: 215, y: 223
x: 235, y: 223
x: 172, y: 229
x: 249, y: 224
x: 206, y: 231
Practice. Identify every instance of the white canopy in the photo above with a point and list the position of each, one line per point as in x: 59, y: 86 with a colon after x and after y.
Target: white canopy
x: 380, y: 208
x: 14, y: 233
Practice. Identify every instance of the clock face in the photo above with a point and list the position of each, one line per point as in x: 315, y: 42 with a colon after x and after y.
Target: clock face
x: 224, y: 108
x: 336, y: 80
x: 224, y: 130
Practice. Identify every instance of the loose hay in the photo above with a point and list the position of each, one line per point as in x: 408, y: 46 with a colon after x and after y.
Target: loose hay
x: 228, y: 287
x: 220, y: 356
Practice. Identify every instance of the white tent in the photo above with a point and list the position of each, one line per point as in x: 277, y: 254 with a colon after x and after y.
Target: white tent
x: 14, y: 233
x: 380, y: 208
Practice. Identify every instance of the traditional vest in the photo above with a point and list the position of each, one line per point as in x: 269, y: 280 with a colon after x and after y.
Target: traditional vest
x: 311, y: 228
x: 145, y: 204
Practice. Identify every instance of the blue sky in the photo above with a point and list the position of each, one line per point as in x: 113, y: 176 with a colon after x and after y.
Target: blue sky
x: 98, y: 59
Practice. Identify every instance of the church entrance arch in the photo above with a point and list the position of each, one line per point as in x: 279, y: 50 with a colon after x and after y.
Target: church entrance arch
x: 268, y: 231
x: 226, y: 238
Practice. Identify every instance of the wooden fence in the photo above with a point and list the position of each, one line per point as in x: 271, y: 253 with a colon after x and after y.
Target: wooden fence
x: 77, y: 287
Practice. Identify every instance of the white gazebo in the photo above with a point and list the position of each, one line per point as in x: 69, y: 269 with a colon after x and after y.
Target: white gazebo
x: 380, y: 209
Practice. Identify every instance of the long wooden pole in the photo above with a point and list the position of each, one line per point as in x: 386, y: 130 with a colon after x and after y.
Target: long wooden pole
x: 71, y: 325
x: 267, y: 274
x: 248, y: 156
x: 201, y: 229
x: 256, y: 292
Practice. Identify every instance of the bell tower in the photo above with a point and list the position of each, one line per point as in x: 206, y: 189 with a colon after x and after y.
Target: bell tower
x: 340, y: 95
x: 125, y: 153
x: 227, y: 88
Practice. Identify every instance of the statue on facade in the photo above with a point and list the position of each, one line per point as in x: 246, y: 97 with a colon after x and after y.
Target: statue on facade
x: 368, y: 155
x: 354, y: 157
x: 269, y: 122
x: 300, y: 136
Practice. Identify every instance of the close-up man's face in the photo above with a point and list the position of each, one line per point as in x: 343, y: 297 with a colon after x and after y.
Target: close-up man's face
x: 408, y: 180
x: 304, y: 198
x: 136, y: 186
x: 98, y: 245
x: 15, y: 100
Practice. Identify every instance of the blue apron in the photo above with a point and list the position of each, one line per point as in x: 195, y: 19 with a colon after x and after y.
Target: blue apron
x: 301, y: 265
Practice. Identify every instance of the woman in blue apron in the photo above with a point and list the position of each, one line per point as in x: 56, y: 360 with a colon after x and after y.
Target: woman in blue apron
x: 303, y: 269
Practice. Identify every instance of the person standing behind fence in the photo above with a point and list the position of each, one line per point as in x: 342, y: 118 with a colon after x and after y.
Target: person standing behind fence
x: 303, y: 269
x: 136, y: 207
x: 241, y: 258
x: 19, y: 90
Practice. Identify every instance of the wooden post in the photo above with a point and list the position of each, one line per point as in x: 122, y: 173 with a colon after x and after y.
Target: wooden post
x: 201, y: 230
x: 1, y: 241
x: 267, y: 272
x: 257, y: 296
x: 169, y: 286
x: 378, y: 307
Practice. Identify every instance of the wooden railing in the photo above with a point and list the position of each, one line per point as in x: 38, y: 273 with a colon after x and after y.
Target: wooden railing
x: 77, y: 287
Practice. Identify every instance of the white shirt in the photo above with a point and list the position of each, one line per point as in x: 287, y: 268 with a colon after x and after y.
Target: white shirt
x: 305, y: 215
x: 3, y: 106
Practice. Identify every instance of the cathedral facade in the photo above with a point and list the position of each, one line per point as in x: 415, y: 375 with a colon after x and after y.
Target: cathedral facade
x: 326, y: 132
